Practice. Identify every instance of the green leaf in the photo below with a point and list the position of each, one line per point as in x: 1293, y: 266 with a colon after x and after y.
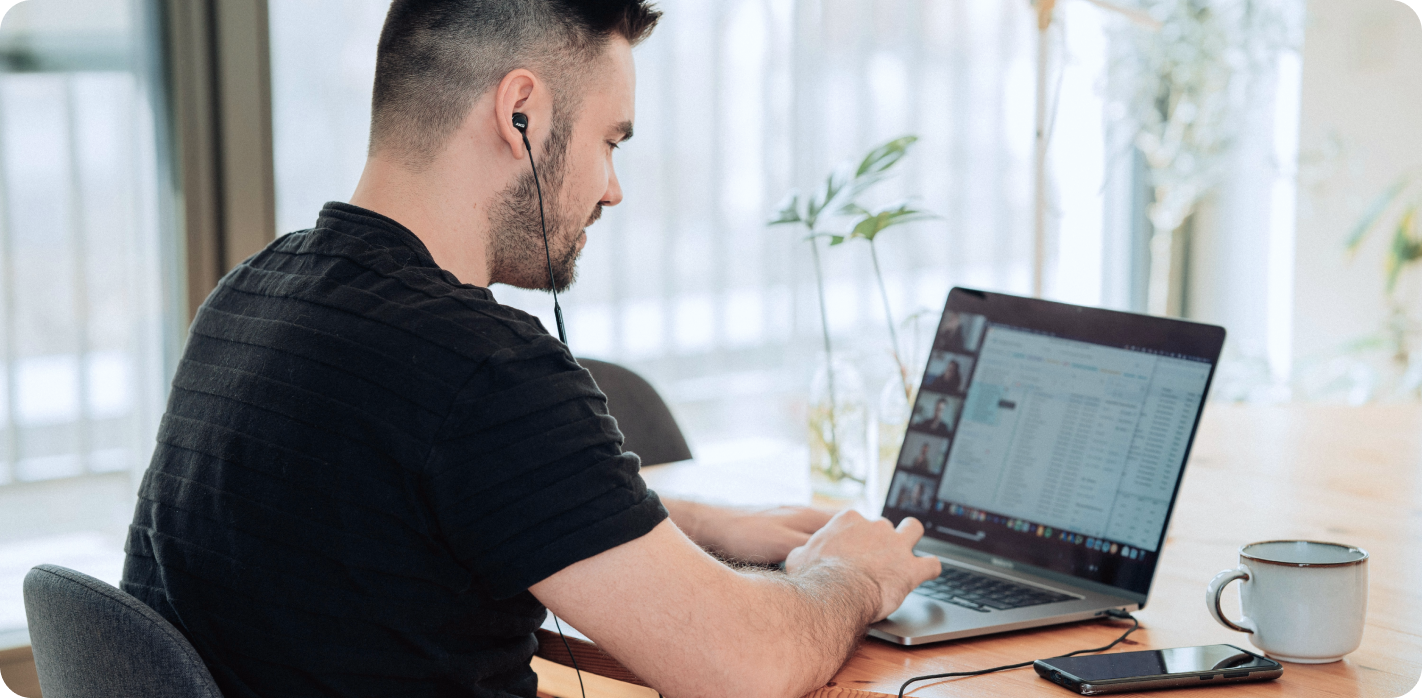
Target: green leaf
x: 874, y: 169
x: 843, y: 185
x: 789, y: 209
x: 812, y: 210
x: 836, y: 188
x: 869, y: 226
x: 1404, y: 246
x: 1375, y: 211
x: 858, y: 186
x: 885, y: 156
x: 836, y: 239
x: 872, y: 224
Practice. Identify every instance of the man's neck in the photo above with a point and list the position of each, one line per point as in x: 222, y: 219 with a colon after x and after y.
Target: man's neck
x: 454, y: 228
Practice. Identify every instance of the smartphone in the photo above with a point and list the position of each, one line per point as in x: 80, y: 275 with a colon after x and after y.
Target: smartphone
x: 1173, y: 668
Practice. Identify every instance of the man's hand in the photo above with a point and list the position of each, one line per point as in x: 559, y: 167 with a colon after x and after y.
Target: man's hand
x: 689, y: 625
x: 746, y: 534
x: 873, y: 548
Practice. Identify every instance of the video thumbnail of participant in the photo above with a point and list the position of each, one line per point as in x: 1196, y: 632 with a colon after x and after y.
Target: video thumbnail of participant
x: 948, y: 372
x: 911, y: 492
x: 960, y: 332
x: 924, y: 452
x: 935, y: 413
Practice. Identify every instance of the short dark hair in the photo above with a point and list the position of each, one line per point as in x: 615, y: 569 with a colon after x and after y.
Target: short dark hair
x: 436, y: 57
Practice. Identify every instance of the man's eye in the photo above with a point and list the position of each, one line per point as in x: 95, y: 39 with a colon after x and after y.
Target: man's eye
x: 614, y: 144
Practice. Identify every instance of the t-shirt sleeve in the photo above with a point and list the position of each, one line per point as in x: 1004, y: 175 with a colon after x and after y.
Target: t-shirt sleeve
x: 527, y: 475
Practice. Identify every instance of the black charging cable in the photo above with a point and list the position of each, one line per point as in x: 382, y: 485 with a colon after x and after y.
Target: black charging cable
x: 1112, y: 613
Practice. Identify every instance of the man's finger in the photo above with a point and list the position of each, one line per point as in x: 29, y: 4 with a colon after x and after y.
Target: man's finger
x: 811, y: 520
x: 911, y: 527
x: 792, y: 561
x: 794, y: 539
x: 932, y: 567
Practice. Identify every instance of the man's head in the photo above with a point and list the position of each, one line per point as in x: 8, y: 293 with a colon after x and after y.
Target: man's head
x: 938, y: 408
x: 452, y: 72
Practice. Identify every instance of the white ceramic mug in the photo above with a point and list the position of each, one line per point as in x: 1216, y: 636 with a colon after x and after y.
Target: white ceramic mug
x: 1303, y: 601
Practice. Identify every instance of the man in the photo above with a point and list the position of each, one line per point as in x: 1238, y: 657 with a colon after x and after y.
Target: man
x: 372, y: 478
x: 950, y: 381
x: 913, y: 497
x: 920, y: 462
x: 934, y: 423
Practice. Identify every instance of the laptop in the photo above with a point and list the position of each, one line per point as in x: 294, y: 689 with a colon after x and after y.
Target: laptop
x: 1044, y: 455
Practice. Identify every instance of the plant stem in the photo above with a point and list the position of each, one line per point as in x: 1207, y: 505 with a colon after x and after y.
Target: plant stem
x: 889, y: 315
x: 829, y: 356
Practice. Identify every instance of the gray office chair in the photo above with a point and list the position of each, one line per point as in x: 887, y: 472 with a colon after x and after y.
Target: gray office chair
x: 94, y: 641
x: 648, y: 427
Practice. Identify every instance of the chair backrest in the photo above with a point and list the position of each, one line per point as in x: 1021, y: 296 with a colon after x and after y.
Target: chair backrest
x: 648, y: 427
x: 94, y: 641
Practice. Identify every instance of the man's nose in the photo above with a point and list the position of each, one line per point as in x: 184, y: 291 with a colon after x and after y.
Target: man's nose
x: 613, y: 195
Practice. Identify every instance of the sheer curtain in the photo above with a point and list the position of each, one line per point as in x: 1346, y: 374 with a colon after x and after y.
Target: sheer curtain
x: 739, y: 101
x: 82, y: 333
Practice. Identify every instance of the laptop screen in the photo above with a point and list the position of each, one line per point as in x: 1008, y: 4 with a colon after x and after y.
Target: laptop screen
x: 1053, y: 435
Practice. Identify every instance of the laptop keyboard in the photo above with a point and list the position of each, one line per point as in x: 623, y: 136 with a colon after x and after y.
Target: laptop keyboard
x: 983, y: 593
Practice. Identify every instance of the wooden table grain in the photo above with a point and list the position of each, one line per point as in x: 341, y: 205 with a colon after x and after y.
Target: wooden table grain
x: 1344, y: 474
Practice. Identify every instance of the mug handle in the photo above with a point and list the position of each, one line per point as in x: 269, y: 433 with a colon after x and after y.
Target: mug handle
x: 1212, y: 599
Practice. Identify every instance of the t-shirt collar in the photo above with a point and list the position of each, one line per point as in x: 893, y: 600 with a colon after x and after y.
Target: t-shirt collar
x: 350, y: 218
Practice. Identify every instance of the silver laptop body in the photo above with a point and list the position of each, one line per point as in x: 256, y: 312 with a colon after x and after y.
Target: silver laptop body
x: 1043, y: 455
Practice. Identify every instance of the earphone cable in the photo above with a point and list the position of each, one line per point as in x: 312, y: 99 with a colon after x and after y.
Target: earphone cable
x: 573, y: 659
x: 1113, y: 613
x: 547, y: 254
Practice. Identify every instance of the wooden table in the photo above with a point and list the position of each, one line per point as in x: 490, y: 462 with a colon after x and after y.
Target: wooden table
x: 1345, y: 474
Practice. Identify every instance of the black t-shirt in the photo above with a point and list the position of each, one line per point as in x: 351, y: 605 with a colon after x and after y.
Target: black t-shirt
x: 363, y: 466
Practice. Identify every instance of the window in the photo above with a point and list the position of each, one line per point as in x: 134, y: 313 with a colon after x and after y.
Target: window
x: 738, y: 101
x: 82, y: 325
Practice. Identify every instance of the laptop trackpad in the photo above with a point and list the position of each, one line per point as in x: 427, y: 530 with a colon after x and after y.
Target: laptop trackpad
x: 920, y: 615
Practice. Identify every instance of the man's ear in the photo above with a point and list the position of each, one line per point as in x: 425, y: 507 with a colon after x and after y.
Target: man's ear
x: 521, y: 91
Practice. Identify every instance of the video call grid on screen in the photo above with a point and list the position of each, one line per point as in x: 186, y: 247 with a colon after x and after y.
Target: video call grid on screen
x: 1073, y: 448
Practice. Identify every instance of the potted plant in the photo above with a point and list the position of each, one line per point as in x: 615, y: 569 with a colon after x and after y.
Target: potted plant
x: 837, y: 414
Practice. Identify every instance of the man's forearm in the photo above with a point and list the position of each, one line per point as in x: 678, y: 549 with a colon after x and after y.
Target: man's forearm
x: 693, y: 626
x: 823, y: 610
x: 802, y: 626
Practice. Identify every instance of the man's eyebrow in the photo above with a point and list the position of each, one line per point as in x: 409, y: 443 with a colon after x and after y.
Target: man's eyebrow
x: 625, y: 128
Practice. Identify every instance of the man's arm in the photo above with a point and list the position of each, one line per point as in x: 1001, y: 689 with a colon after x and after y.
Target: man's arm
x: 746, y: 534
x: 691, y: 626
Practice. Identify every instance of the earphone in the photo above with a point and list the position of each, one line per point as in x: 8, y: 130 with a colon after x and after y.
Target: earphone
x: 520, y: 122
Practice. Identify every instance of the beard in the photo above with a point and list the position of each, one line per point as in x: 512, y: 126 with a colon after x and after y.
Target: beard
x: 518, y: 256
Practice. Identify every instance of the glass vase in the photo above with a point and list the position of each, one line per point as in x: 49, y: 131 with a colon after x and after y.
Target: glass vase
x: 893, y: 415
x: 838, y: 421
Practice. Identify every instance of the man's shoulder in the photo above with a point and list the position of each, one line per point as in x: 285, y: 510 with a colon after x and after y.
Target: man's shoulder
x: 333, y: 287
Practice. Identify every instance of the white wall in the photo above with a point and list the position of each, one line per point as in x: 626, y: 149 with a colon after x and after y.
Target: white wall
x: 1361, y: 111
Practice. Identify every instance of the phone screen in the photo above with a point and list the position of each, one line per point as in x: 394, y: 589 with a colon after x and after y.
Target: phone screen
x: 1179, y: 660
